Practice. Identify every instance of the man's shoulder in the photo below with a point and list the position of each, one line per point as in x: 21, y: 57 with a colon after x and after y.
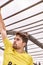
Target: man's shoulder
x: 28, y: 55
x: 7, y: 42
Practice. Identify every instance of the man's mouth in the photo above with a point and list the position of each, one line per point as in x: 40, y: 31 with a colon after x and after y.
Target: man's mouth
x: 14, y: 45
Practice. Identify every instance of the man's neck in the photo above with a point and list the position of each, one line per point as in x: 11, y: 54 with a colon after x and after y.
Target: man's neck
x: 20, y: 50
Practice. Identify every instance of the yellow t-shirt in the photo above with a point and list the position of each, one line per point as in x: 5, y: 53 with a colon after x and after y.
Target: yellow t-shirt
x: 12, y: 57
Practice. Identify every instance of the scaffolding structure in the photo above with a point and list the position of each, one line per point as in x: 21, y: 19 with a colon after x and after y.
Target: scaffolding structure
x: 28, y: 27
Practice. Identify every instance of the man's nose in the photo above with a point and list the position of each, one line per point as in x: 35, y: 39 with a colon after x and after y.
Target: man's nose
x: 14, y: 41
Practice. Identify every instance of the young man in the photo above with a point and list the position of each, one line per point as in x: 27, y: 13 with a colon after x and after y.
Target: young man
x: 14, y: 54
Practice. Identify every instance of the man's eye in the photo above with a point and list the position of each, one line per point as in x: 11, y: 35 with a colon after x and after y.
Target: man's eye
x: 18, y: 39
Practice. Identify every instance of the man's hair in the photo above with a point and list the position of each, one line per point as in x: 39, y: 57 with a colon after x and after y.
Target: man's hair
x: 23, y: 35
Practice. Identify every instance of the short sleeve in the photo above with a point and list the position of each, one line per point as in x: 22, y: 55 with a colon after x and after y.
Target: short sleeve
x: 7, y: 43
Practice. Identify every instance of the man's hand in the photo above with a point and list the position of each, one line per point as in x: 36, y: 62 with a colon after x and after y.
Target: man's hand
x: 0, y: 11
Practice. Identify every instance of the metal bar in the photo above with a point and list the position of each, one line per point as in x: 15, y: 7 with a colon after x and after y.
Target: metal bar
x: 26, y: 18
x: 28, y: 25
x: 37, y: 32
x: 6, y: 3
x: 35, y: 41
x: 37, y: 54
x: 1, y: 48
x: 32, y: 30
x: 23, y: 10
x: 36, y: 51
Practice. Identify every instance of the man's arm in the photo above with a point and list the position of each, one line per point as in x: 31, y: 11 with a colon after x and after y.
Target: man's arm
x: 2, y: 27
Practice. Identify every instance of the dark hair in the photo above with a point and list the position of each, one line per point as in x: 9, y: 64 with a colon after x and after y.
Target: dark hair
x: 23, y: 35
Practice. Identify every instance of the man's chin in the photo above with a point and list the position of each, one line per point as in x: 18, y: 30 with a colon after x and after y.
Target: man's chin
x: 14, y: 47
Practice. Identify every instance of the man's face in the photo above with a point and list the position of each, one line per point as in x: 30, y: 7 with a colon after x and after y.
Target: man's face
x: 18, y: 42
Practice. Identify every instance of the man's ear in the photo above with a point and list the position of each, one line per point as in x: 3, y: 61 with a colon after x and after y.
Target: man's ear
x: 24, y: 44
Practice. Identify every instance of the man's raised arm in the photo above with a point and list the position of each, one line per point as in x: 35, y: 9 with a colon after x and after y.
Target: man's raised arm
x: 2, y: 27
